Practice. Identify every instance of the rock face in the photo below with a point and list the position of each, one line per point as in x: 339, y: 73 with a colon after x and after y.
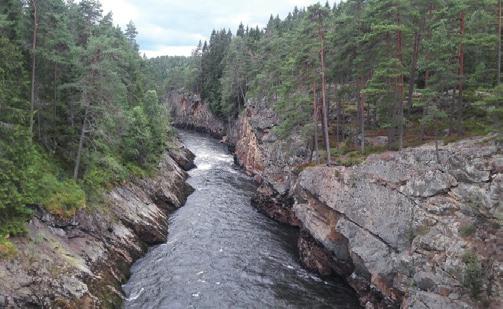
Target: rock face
x: 261, y: 152
x: 189, y: 111
x: 82, y: 262
x: 397, y: 221
x: 275, y: 205
x: 401, y: 227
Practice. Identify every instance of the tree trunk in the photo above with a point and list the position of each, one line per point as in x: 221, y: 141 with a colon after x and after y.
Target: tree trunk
x: 81, y: 145
x: 427, y: 56
x: 361, y: 112
x: 33, y: 64
x: 413, y: 66
x: 400, y: 85
x: 55, y: 90
x: 460, y: 107
x: 339, y: 116
x: 316, y: 121
x: 324, y: 95
x: 436, y: 147
x: 499, y: 43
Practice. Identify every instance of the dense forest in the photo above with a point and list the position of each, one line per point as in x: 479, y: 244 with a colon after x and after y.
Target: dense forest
x: 408, y: 70
x: 78, y: 109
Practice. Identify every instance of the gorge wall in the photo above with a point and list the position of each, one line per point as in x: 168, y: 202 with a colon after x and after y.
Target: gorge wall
x: 81, y: 262
x: 406, y: 229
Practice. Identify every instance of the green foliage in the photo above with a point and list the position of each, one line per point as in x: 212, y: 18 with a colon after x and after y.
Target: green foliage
x: 234, y: 80
x: 138, y: 140
x: 173, y: 72
x: 492, y: 104
x: 91, y: 116
x: 50, y: 187
x: 16, y: 155
x: 467, y: 230
x: 7, y: 249
x: 369, y: 52
x: 473, y: 274
x: 104, y: 172
x: 212, y: 69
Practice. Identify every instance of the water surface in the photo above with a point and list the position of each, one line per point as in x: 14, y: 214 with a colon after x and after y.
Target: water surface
x: 222, y: 253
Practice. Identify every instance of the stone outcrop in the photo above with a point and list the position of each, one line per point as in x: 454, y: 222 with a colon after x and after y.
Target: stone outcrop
x: 397, y: 221
x: 190, y: 112
x: 261, y: 152
x: 81, y: 262
x: 399, y: 227
x: 274, y: 205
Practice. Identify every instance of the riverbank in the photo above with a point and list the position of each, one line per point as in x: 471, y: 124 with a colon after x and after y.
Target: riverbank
x: 412, y: 229
x: 82, y: 262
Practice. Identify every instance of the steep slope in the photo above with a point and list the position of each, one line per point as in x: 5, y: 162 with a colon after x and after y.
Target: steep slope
x: 82, y: 262
x: 403, y: 224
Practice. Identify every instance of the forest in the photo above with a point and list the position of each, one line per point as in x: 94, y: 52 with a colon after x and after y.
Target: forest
x: 411, y: 71
x: 78, y: 109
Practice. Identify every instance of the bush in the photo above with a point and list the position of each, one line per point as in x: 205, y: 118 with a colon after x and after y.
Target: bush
x: 65, y: 199
x: 7, y: 249
x: 52, y: 189
x: 473, y: 274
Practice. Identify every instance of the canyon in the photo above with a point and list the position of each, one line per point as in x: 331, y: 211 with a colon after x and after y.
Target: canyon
x: 417, y: 228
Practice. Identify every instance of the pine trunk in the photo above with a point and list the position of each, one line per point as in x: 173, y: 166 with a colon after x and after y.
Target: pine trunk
x: 324, y: 96
x: 339, y: 116
x: 499, y: 42
x: 316, y: 121
x: 460, y: 106
x: 413, y: 67
x: 400, y: 84
x: 361, y: 112
x: 81, y: 144
x: 33, y: 64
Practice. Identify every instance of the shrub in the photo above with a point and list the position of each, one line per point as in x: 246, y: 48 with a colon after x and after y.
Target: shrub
x: 65, y: 199
x: 473, y: 274
x: 7, y: 249
x: 52, y: 189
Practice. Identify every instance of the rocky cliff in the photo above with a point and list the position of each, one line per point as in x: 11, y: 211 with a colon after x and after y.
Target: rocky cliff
x: 82, y: 262
x: 406, y: 229
x: 191, y: 113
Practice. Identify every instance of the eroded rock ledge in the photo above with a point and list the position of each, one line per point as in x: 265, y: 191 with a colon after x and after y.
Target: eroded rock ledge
x: 82, y: 262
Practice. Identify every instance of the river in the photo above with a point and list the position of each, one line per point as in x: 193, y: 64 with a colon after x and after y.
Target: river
x: 222, y: 253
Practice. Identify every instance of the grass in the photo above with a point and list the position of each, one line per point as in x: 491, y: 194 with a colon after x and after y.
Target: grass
x: 7, y: 249
x: 467, y: 230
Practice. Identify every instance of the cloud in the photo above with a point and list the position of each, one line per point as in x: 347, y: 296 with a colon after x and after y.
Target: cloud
x: 172, y: 26
x: 166, y: 50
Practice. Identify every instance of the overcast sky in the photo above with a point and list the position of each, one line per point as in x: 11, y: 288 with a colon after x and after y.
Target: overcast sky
x: 173, y: 27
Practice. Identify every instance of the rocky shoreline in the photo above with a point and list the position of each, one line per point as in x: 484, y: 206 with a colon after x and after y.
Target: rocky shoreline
x: 83, y: 261
x: 409, y: 229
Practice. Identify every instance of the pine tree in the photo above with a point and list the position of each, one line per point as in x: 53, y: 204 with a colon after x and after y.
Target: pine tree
x: 131, y: 34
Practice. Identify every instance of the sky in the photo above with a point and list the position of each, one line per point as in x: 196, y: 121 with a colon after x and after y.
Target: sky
x: 174, y: 27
